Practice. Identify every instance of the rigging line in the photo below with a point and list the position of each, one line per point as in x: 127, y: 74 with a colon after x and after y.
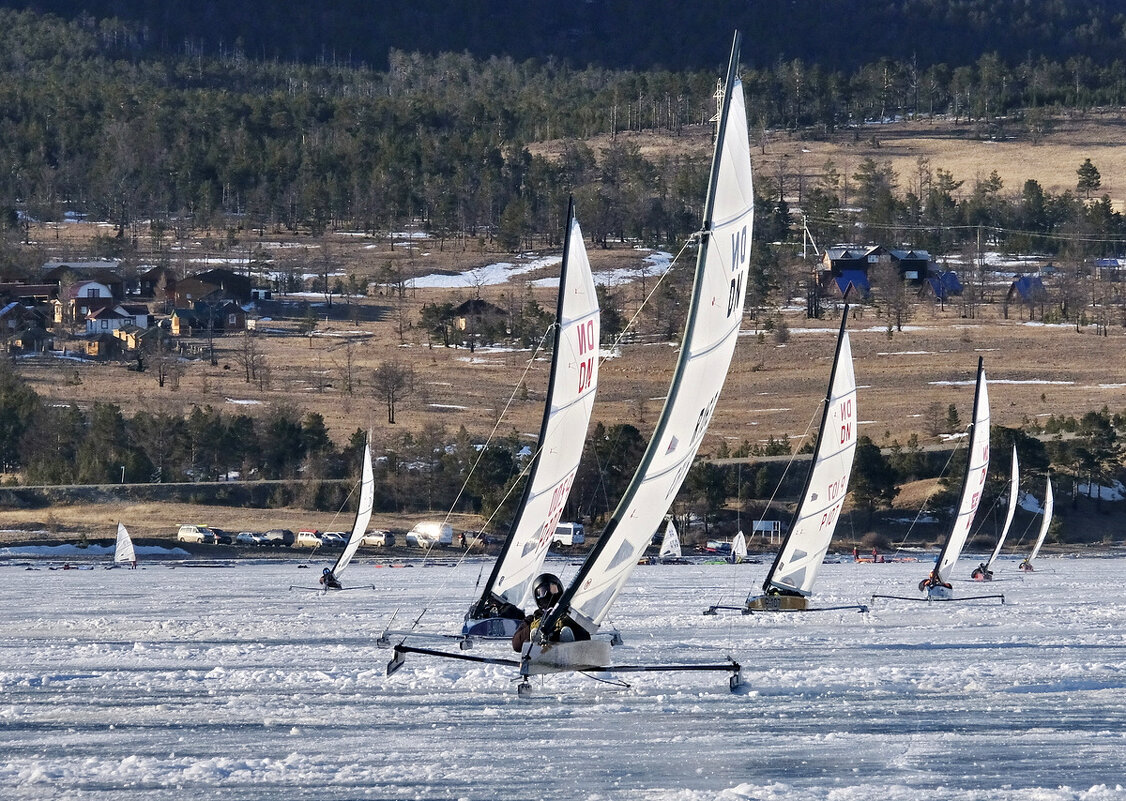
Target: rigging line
x: 1027, y: 528
x: 621, y: 683
x: 500, y: 418
x: 793, y: 457
x: 332, y: 522
x: 430, y: 547
x: 733, y: 574
x: 698, y: 236
x: 927, y: 499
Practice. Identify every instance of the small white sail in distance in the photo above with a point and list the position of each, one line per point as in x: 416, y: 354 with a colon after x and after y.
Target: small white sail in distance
x: 570, y: 400
x: 124, y: 552
x: 739, y: 548
x: 710, y: 334
x: 1014, y: 491
x: 977, y: 465
x: 363, y: 513
x: 670, y: 545
x: 1045, y: 522
x: 795, y: 568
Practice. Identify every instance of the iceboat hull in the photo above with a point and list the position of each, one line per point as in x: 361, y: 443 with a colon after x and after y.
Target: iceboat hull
x: 565, y: 657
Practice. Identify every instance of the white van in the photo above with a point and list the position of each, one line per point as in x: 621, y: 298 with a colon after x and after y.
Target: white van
x: 190, y: 533
x: 430, y: 533
x: 568, y: 534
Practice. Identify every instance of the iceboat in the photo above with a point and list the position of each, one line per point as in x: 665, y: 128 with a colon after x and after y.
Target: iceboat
x: 1045, y: 523
x: 670, y: 552
x: 572, y: 385
x: 570, y: 398
x: 124, y: 554
x: 568, y: 638
x: 984, y: 571
x: 789, y: 582
x: 330, y: 578
x: 936, y: 586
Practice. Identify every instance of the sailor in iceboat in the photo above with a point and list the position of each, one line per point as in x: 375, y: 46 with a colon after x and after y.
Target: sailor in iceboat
x: 933, y: 580
x: 1026, y: 566
x: 328, y: 580
x: 982, y: 573
x: 547, y: 589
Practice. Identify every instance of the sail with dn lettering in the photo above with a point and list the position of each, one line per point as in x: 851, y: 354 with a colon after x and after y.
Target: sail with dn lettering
x: 570, y: 398
x: 794, y: 571
x: 937, y: 585
x: 710, y: 334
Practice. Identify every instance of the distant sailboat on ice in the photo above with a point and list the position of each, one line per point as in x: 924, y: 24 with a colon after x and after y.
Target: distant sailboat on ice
x: 330, y: 576
x: 789, y: 582
x: 984, y: 571
x: 1045, y: 523
x: 739, y: 549
x: 124, y: 553
x: 670, y: 543
x: 937, y: 585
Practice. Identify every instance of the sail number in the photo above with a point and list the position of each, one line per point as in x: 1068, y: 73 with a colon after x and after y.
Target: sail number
x: 844, y: 411
x: 738, y: 262
x: 702, y: 421
x: 555, y: 510
x: 588, y: 341
x: 829, y: 517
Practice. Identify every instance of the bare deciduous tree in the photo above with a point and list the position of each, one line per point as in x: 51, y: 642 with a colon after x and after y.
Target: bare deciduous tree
x: 393, y: 381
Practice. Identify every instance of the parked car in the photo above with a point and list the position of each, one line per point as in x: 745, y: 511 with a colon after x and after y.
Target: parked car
x: 430, y: 533
x: 278, y: 537
x: 249, y: 538
x: 307, y: 538
x: 192, y: 533
x: 378, y: 538
x: 221, y: 537
x: 334, y: 539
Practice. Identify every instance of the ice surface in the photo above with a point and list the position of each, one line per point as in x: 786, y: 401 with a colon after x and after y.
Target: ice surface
x: 193, y: 684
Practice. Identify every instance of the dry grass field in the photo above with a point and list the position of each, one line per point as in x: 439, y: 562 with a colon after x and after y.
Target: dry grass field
x: 773, y: 389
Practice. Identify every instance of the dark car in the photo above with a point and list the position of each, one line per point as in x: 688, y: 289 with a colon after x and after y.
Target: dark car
x: 278, y: 537
x: 222, y: 537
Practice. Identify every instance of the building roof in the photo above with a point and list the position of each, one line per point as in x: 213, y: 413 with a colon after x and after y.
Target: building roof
x: 853, y: 280
x: 910, y: 255
x: 106, y: 313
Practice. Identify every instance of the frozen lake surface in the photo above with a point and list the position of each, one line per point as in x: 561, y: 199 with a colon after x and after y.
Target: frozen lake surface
x: 195, y: 683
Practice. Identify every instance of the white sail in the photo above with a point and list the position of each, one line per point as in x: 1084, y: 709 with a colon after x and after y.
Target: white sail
x: 363, y: 513
x: 977, y: 464
x: 124, y: 551
x: 800, y: 557
x: 570, y: 398
x: 710, y: 334
x: 1014, y: 490
x: 1045, y: 522
x: 739, y: 548
x: 670, y: 545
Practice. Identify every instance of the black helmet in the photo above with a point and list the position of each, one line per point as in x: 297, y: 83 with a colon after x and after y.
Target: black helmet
x: 546, y: 590
x: 326, y: 571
